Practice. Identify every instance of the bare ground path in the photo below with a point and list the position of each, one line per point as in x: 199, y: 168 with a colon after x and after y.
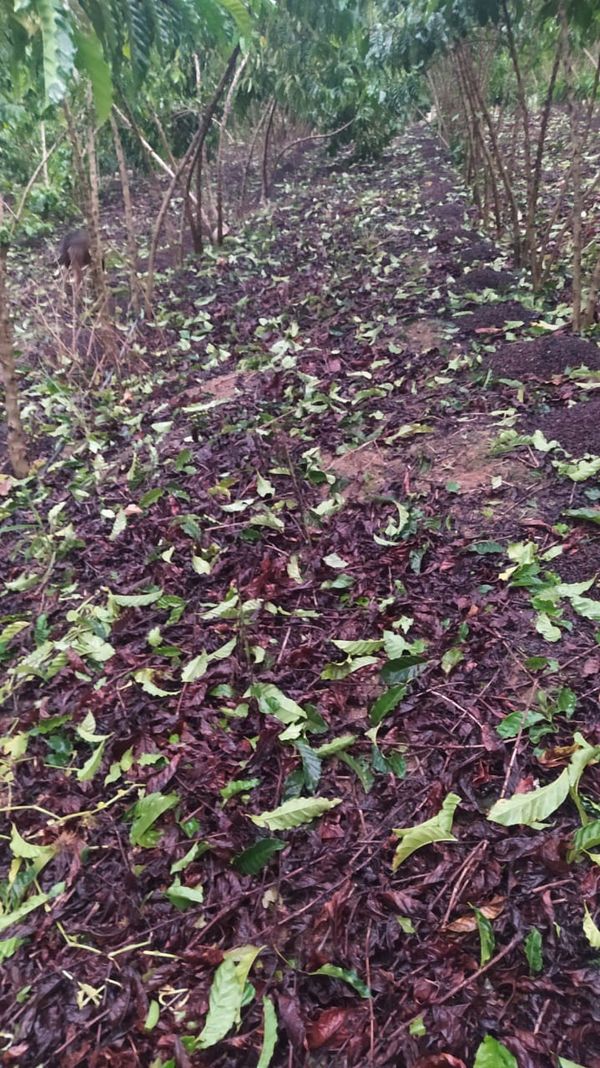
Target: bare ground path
x: 325, y: 450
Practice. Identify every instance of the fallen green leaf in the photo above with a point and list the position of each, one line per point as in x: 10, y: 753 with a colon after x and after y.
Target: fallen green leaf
x: 437, y: 829
x: 347, y: 975
x: 226, y: 995
x: 269, y: 1034
x: 253, y: 859
x: 492, y: 1054
x: 145, y: 813
x: 294, y: 813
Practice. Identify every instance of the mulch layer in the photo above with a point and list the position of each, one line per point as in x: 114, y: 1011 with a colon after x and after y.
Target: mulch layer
x: 298, y: 453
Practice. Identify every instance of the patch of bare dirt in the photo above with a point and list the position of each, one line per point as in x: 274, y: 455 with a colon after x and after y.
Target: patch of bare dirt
x: 464, y: 458
x: 543, y: 356
x: 221, y: 388
x: 425, y: 334
x: 436, y: 189
x: 582, y: 560
x: 367, y: 471
x: 224, y: 386
x: 453, y: 211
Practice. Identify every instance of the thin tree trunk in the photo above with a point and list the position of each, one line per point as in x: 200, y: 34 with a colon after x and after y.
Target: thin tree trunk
x: 189, y: 160
x: 535, y: 262
x: 129, y: 121
x: 589, y: 314
x: 472, y: 105
x: 96, y: 254
x: 16, y: 439
x: 88, y: 182
x: 575, y: 171
x: 210, y: 210
x: 132, y: 256
x: 197, y: 239
x: 197, y: 235
x: 265, y: 155
x: 523, y: 108
x: 183, y: 163
x: 497, y: 154
x: 248, y: 164
x: 207, y: 118
x: 189, y: 201
x: 224, y: 120
x: 44, y: 154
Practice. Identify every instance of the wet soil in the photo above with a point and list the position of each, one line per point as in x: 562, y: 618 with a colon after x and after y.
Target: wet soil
x: 545, y: 356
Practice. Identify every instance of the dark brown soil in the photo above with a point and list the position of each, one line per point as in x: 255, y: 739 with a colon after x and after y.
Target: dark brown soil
x: 544, y: 356
x: 436, y: 190
x: 481, y: 251
x: 494, y: 317
x: 451, y: 211
x: 583, y: 560
x: 576, y: 428
x: 486, y: 278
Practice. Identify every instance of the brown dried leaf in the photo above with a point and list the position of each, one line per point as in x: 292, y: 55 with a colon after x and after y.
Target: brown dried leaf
x: 468, y: 923
x: 439, y: 1060
x: 333, y: 1027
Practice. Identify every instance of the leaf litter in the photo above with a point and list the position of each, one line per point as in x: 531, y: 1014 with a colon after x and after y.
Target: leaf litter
x: 255, y: 723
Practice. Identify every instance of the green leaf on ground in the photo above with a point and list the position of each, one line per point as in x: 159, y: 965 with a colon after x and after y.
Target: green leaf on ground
x: 532, y: 808
x: 533, y: 950
x: 589, y: 515
x: 272, y: 702
x: 437, y: 829
x: 269, y: 1034
x: 386, y: 703
x: 253, y: 859
x: 183, y: 897
x: 226, y: 995
x: 590, y: 929
x: 294, y: 813
x: 487, y: 940
x: 145, y: 814
x: 347, y: 975
x: 492, y: 1054
x: 451, y: 658
x: 237, y: 786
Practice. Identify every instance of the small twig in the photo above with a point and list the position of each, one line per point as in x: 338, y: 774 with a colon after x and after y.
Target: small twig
x: 513, y: 755
x: 541, y: 1014
x: 370, y: 1000
x: 304, y: 140
x: 44, y: 160
x: 467, y: 867
x: 480, y: 971
x: 455, y: 704
x: 299, y: 494
x: 458, y: 987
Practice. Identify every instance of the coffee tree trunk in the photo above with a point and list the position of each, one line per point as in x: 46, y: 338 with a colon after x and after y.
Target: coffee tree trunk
x: 132, y: 256
x: 87, y: 179
x: 224, y: 120
x: 191, y: 158
x: 16, y: 439
x: 265, y: 155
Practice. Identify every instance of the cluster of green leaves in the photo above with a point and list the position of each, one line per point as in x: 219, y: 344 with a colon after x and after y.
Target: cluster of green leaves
x: 415, y: 34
